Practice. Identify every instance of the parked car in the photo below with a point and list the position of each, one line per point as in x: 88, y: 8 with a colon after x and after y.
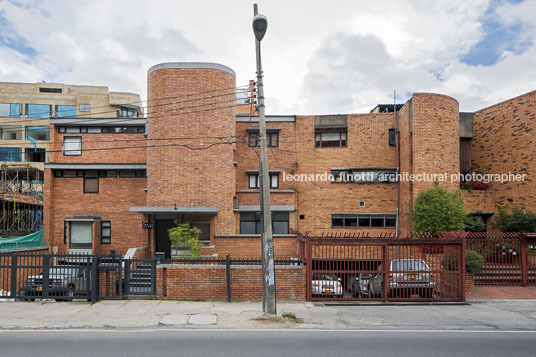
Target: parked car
x: 357, y: 284
x: 64, y: 283
x: 324, y: 284
x: 406, y: 277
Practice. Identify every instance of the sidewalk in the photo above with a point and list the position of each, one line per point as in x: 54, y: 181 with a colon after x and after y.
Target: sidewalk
x: 154, y: 314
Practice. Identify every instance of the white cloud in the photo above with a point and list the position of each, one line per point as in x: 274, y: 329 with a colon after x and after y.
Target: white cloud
x: 317, y: 56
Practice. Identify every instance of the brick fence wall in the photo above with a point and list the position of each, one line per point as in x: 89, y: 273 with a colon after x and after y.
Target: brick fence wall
x: 209, y: 282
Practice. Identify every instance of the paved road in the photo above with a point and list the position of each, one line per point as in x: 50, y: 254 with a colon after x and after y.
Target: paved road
x: 266, y: 343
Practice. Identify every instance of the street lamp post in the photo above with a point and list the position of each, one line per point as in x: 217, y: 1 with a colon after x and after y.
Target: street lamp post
x: 260, y: 24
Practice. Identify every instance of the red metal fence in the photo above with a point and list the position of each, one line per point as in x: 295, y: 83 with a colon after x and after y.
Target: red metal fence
x: 509, y: 258
x: 385, y: 267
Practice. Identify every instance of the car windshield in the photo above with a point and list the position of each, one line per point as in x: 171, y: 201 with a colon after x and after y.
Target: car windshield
x: 409, y: 265
x: 324, y: 277
x: 62, y: 271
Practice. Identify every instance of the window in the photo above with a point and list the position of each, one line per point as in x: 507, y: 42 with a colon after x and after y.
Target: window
x: 363, y: 220
x: 72, y: 146
x: 84, y: 108
x: 94, y: 130
x: 250, y: 223
x: 91, y: 185
x: 38, y: 132
x: 337, y: 139
x: 50, y: 90
x: 123, y: 112
x: 106, y: 232
x: 280, y: 222
x: 11, y: 132
x: 392, y: 137
x: 38, y: 111
x: 204, y: 227
x: 10, y: 154
x: 272, y: 140
x: 65, y: 111
x: 254, y: 181
x: 81, y: 234
x: 65, y: 231
x: 363, y: 175
x: 132, y: 173
x: 11, y: 110
x: 33, y: 155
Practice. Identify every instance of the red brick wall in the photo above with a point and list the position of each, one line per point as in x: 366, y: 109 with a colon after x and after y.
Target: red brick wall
x: 184, y: 177
x: 209, y: 283
x: 368, y: 147
x: 64, y: 198
x: 504, y: 142
x: 250, y: 247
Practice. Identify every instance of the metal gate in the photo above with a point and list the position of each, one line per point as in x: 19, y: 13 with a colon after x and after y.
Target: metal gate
x: 509, y: 258
x: 67, y: 277
x: 384, y: 268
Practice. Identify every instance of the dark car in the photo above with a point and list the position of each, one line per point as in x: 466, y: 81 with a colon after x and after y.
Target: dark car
x: 64, y: 283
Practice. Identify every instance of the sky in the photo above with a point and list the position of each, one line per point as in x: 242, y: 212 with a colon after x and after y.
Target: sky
x: 319, y: 57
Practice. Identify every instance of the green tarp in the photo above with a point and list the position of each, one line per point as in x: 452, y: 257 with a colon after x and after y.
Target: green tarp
x: 29, y: 241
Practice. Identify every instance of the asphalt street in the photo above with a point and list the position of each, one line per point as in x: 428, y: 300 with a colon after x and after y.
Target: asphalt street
x: 237, y: 343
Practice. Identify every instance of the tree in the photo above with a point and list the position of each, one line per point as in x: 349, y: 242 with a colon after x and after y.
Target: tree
x: 437, y: 210
x: 518, y: 221
x: 186, y: 236
x: 475, y: 224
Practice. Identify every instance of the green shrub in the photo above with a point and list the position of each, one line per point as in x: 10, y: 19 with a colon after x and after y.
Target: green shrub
x: 437, y: 210
x: 475, y: 224
x: 518, y: 221
x: 187, y: 236
x: 474, y: 262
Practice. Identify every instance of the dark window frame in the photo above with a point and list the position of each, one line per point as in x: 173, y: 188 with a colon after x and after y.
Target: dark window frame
x: 91, y: 178
x: 258, y: 183
x: 109, y: 236
x: 257, y: 220
x: 72, y: 137
x: 253, y: 139
x: 361, y: 217
x: 392, y: 137
x: 342, y: 142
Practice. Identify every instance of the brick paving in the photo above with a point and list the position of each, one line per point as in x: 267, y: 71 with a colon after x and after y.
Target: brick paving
x: 502, y: 293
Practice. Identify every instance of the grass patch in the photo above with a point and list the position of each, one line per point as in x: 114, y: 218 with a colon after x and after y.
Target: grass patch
x: 289, y: 315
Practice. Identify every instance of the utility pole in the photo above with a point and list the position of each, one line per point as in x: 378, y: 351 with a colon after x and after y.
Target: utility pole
x: 260, y: 24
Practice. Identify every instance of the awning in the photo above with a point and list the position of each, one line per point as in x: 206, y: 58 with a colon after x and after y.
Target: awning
x: 274, y: 208
x: 175, y: 209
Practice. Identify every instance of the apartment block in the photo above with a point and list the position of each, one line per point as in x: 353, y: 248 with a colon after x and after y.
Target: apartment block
x: 195, y: 159
x: 26, y: 110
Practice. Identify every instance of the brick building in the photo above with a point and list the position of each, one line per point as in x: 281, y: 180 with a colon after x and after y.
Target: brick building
x: 110, y: 187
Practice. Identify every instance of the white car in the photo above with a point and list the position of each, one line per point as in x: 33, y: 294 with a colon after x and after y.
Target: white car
x: 326, y: 285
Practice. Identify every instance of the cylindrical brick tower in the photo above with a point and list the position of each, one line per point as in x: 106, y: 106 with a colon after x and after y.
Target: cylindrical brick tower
x: 191, y: 122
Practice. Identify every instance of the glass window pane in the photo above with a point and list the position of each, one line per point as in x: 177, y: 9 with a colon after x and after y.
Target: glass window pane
x: 5, y: 109
x: 10, y: 154
x: 350, y: 220
x: 364, y: 221
x: 15, y: 110
x: 337, y: 220
x: 91, y: 185
x: 106, y: 232
x: 84, y: 108
x: 253, y: 181
x: 81, y: 234
x: 94, y: 129
x: 65, y: 111
x: 317, y: 140
x: 38, y: 132
x: 377, y: 221
x: 72, y: 145
x: 247, y: 227
x: 280, y: 227
x: 390, y: 221
x: 33, y: 155
x: 127, y: 173
x: 39, y: 111
x: 72, y: 130
x: 280, y: 216
x: 11, y: 132
x: 274, y: 181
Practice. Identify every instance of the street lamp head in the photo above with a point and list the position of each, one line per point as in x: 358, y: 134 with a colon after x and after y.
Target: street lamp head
x: 260, y: 24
